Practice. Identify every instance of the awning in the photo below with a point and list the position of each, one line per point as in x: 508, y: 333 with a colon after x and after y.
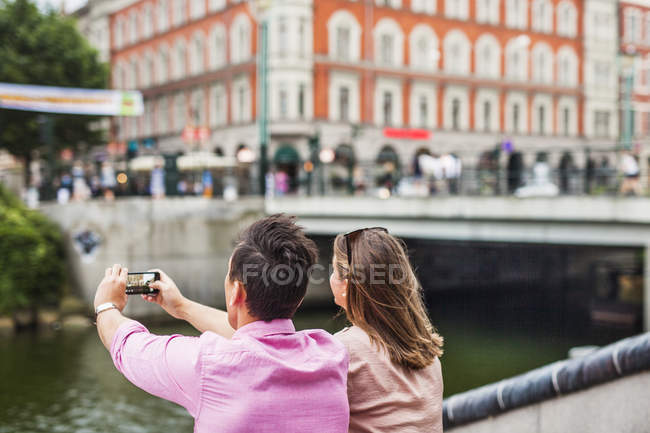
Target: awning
x: 146, y: 162
x: 286, y: 155
x: 204, y: 160
x: 387, y: 154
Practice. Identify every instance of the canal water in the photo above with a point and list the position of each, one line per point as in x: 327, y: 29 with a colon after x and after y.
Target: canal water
x: 507, y: 310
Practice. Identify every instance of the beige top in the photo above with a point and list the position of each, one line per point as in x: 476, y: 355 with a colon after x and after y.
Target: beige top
x: 386, y: 397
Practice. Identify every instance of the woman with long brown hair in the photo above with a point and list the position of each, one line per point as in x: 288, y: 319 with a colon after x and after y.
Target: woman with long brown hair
x: 394, y: 377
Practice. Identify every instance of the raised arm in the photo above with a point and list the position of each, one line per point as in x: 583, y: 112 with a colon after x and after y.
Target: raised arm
x: 202, y: 317
x: 165, y: 366
x: 111, y: 289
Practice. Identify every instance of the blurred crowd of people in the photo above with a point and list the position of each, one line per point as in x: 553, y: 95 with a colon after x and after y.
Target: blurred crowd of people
x: 428, y: 174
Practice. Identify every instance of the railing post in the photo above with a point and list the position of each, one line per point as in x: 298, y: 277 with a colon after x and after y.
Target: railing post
x: 646, y: 288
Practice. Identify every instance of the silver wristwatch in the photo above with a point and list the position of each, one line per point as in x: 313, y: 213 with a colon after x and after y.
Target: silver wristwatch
x: 103, y: 307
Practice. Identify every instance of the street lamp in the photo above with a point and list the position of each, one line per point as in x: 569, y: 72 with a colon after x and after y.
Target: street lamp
x: 259, y: 9
x: 627, y: 66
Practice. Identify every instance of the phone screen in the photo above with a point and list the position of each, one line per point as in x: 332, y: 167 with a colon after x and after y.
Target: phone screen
x: 139, y: 283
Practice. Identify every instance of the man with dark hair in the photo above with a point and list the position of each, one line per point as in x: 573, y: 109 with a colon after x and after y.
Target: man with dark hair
x: 249, y: 371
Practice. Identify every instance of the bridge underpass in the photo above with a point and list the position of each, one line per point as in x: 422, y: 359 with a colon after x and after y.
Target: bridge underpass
x: 562, y: 221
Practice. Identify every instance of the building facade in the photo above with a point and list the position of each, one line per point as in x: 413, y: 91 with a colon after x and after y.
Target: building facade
x: 635, y: 70
x: 537, y: 74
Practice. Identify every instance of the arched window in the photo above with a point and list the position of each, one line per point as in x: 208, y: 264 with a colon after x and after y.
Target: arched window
x: 178, y: 14
x: 487, y: 11
x: 423, y: 48
x: 146, y: 70
x: 388, y: 102
x: 517, y: 14
x: 197, y: 9
x: 216, y: 5
x: 517, y: 58
x: 344, y: 36
x: 566, y: 19
x: 389, y: 42
x: 118, y: 39
x: 456, y: 9
x: 197, y: 61
x: 180, y: 60
x: 148, y: 21
x: 456, y: 53
x: 542, y: 16
x: 395, y: 4
x: 163, y: 65
x: 486, y: 110
x: 163, y: 16
x: 542, y: 63
x: 240, y: 39
x: 567, y: 116
x: 422, y: 105
x: 241, y: 100
x: 133, y: 27
x: 197, y: 107
x: 343, y: 94
x: 424, y: 6
x: 217, y: 46
x: 487, y: 62
x: 162, y: 120
x: 516, y: 113
x: 632, y: 25
x: 456, y: 108
x: 180, y: 112
x: 218, y: 105
x: 567, y: 67
x: 147, y: 128
x: 542, y: 118
x: 133, y: 73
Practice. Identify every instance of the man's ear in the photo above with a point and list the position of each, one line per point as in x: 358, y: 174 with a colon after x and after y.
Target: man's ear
x: 238, y: 293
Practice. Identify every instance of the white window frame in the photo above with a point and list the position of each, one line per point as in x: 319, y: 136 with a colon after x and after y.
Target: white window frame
x: 338, y: 79
x: 457, y: 9
x: 342, y: 18
x: 394, y: 88
x: 542, y: 73
x: 461, y: 65
x: 388, y: 26
x: 240, y: 39
x: 542, y: 16
x: 218, y: 46
x: 517, y: 14
x: 197, y: 58
x: 487, y: 40
x: 430, y: 59
x: 487, y: 11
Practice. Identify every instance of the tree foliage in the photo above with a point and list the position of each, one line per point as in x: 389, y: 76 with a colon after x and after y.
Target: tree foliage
x: 45, y: 49
x: 31, y: 257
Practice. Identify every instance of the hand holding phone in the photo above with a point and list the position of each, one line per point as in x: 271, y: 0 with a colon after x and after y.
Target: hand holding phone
x: 139, y: 283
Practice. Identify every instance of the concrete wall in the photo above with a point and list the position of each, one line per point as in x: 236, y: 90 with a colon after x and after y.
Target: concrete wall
x: 191, y: 239
x: 620, y: 406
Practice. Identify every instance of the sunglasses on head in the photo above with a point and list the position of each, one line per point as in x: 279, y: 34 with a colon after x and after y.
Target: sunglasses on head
x: 351, y: 236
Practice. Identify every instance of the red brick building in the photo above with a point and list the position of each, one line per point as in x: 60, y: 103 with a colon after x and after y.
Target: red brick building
x: 472, y: 73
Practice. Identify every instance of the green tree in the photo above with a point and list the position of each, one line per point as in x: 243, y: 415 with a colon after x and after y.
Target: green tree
x: 31, y: 257
x: 45, y: 48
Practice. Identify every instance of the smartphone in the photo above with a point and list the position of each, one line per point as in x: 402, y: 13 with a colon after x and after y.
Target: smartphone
x: 137, y: 283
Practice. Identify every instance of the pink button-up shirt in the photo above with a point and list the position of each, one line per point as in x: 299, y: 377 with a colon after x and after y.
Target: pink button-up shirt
x: 267, y: 378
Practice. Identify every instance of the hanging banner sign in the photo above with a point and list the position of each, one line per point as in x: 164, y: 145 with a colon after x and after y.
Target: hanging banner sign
x: 70, y: 100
